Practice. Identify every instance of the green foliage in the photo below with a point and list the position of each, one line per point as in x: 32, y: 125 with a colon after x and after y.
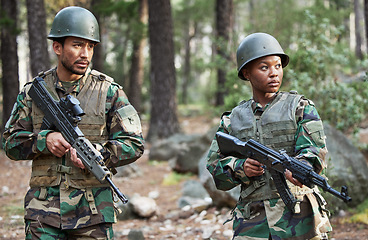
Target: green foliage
x: 320, y: 61
x: 7, y: 22
x: 317, y: 51
x: 315, y: 65
x: 13, y: 209
x: 192, y: 31
x: 313, y: 33
x: 278, y: 22
x: 174, y: 178
x: 361, y: 213
x: 238, y: 90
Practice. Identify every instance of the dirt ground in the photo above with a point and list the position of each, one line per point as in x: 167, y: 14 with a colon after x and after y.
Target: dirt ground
x: 14, y: 177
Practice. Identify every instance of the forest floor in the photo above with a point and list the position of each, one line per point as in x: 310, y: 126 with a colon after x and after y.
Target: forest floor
x: 14, y: 177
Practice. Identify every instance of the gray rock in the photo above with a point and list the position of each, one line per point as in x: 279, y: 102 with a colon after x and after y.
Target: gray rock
x: 220, y: 198
x: 143, y: 206
x: 135, y: 234
x: 346, y: 166
x: 181, y: 151
x: 194, y: 189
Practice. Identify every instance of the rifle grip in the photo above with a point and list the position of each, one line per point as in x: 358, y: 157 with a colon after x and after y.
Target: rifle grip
x: 284, y: 190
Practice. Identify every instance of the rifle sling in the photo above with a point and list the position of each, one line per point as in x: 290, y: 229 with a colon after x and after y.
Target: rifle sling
x: 255, y: 184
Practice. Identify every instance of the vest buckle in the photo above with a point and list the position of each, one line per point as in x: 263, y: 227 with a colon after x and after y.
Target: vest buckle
x: 63, y: 169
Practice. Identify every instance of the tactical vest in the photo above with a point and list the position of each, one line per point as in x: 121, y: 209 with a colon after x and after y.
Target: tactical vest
x: 48, y: 170
x: 275, y: 128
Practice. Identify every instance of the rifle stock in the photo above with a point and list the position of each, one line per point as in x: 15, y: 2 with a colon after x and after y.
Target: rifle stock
x: 277, y: 163
x: 64, y: 116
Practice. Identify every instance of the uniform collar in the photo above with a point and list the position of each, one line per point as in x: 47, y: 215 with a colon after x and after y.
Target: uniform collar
x: 70, y: 87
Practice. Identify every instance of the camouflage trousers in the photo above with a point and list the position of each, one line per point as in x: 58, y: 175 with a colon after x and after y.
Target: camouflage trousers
x: 36, y: 230
x: 271, y: 220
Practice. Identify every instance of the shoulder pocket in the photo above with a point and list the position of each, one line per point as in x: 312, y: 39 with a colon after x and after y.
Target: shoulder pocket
x: 130, y: 119
x: 315, y: 131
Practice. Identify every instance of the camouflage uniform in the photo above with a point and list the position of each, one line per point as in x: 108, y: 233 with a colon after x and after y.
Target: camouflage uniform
x: 64, y: 199
x: 295, y: 126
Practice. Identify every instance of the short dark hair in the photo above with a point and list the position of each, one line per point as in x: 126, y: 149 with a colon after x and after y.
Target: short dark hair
x: 60, y: 40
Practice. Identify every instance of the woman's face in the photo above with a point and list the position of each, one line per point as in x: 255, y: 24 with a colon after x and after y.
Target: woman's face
x: 265, y: 74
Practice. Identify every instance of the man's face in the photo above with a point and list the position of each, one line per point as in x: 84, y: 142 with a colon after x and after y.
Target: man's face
x: 75, y: 56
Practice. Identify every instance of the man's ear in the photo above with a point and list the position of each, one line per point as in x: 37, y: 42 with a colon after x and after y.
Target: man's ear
x: 57, y: 47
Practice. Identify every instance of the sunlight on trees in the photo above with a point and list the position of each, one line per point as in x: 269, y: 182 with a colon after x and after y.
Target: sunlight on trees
x: 318, y: 35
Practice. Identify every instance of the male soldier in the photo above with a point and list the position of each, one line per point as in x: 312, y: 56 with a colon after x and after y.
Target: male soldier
x: 280, y: 120
x: 64, y: 200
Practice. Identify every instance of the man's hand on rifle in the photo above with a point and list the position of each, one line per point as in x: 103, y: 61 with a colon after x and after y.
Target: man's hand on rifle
x: 58, y: 146
x: 74, y: 158
x: 253, y: 168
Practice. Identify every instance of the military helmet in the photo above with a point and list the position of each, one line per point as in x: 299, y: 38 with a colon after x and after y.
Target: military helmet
x: 258, y: 45
x: 75, y: 22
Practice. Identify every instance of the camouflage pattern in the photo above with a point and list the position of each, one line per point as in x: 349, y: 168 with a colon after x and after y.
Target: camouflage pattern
x: 124, y: 146
x: 62, y: 206
x: 262, y: 219
x: 35, y: 230
x: 68, y: 208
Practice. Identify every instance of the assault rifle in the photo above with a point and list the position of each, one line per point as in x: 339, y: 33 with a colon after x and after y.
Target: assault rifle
x: 64, y: 115
x: 277, y: 163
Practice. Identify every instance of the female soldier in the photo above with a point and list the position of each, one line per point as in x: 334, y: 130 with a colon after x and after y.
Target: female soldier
x: 279, y: 120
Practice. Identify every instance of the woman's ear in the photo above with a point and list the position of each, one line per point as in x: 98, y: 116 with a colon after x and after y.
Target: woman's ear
x: 245, y: 73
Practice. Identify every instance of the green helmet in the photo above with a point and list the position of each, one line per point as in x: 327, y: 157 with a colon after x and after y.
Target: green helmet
x: 75, y: 22
x: 258, y: 45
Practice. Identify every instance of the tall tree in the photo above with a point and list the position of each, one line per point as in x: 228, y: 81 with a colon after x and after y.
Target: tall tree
x: 98, y: 55
x: 224, y: 9
x: 9, y: 57
x: 36, y: 16
x: 366, y: 21
x: 189, y: 34
x: 163, y: 121
x: 358, y: 36
x: 190, y: 27
x: 137, y: 67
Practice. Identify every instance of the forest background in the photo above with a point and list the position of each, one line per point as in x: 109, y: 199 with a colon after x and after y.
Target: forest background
x: 174, y: 56
x: 177, y: 58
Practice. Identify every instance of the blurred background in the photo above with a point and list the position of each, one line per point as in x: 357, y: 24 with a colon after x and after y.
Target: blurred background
x: 176, y: 62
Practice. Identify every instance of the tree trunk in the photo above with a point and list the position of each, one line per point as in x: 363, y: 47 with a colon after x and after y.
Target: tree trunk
x: 137, y: 67
x: 224, y: 10
x: 358, y: 37
x: 39, y: 55
x: 366, y: 22
x: 98, y: 54
x: 163, y: 121
x: 190, y: 32
x: 9, y: 58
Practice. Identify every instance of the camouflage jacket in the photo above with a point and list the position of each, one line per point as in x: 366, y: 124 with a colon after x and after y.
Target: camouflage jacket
x: 228, y: 172
x: 61, y: 206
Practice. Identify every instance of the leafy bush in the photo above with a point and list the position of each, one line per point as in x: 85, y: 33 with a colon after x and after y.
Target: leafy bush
x: 360, y: 213
x: 319, y: 64
x: 238, y: 90
x: 314, y: 71
x: 175, y: 178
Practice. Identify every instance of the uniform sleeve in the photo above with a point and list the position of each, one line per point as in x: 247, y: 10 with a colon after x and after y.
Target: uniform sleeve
x: 125, y: 142
x: 227, y: 172
x: 310, y: 137
x: 19, y: 140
